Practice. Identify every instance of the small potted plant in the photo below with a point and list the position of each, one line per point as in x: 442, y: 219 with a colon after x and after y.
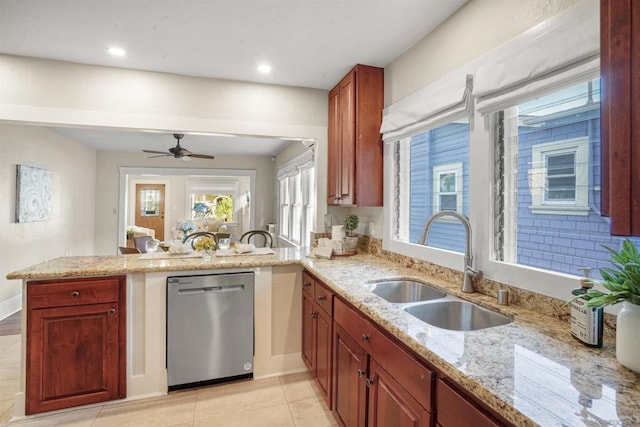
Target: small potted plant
x: 622, y: 280
x: 351, y: 240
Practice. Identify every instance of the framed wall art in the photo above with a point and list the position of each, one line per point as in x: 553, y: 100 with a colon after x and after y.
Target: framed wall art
x: 33, y: 194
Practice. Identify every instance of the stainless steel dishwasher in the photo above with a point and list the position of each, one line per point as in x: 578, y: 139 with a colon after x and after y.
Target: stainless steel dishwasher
x: 209, y: 328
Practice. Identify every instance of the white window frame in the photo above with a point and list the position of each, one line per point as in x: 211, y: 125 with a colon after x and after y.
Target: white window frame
x: 538, y: 177
x: 297, y: 176
x: 438, y: 171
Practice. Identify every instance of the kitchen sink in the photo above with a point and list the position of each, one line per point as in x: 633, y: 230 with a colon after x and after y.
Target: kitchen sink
x: 457, y: 315
x: 404, y: 291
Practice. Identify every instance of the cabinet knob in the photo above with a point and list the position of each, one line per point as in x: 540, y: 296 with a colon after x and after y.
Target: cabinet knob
x: 314, y: 314
x: 306, y: 284
x: 75, y: 294
x: 369, y: 382
x: 365, y: 337
x: 360, y: 373
x: 112, y: 311
x: 322, y: 298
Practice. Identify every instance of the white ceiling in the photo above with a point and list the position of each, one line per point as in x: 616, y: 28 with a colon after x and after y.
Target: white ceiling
x: 308, y: 43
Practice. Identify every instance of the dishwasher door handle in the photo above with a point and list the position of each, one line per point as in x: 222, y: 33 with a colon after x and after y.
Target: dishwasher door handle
x: 202, y: 290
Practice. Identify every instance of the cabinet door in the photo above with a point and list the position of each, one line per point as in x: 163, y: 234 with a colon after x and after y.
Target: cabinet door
x: 390, y: 404
x: 349, y: 376
x: 333, y: 167
x: 308, y: 331
x: 347, y: 161
x: 72, y: 356
x: 323, y: 325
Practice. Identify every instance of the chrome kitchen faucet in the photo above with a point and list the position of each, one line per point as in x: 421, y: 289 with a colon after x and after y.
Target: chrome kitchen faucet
x: 470, y: 275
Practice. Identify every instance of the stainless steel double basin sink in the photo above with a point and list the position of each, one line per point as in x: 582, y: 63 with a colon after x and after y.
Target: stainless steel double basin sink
x: 435, y: 307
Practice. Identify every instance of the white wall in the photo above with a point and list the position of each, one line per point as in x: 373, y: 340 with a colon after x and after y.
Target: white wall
x: 70, y: 229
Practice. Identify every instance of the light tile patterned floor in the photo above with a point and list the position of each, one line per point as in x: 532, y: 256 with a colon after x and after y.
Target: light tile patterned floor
x: 291, y: 400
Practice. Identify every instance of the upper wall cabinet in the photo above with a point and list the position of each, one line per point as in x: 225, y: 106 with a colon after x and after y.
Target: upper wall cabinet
x: 620, y: 70
x: 354, y: 176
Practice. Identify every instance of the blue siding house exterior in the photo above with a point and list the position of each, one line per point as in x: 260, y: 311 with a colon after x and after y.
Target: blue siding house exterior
x: 552, y: 241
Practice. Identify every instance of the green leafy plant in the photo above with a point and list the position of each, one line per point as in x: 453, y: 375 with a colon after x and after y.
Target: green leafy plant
x: 351, y: 223
x: 622, y: 280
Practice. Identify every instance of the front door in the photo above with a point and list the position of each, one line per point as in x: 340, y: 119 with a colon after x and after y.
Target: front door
x: 150, y: 207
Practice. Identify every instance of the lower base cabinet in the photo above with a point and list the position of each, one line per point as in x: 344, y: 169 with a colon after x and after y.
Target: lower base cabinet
x: 350, y: 387
x: 76, y: 342
x: 455, y: 410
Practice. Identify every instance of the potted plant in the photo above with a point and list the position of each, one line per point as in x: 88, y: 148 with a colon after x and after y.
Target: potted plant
x: 351, y: 241
x: 205, y: 245
x: 622, y: 280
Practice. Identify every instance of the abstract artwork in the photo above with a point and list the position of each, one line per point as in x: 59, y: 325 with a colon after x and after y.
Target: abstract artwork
x: 33, y: 194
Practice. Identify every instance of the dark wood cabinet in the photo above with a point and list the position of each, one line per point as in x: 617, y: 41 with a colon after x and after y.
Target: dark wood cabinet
x: 350, y: 368
x: 456, y: 410
x: 354, y: 175
x: 76, y: 342
x: 317, y: 333
x: 620, y: 72
x: 376, y: 382
x: 390, y: 404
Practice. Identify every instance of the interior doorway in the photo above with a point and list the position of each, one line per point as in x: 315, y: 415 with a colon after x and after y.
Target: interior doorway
x: 149, y: 210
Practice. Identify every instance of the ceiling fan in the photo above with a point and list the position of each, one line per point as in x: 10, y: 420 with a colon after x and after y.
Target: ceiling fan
x: 178, y: 152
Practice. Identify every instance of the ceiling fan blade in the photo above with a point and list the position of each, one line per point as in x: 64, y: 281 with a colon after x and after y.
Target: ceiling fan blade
x: 161, y: 155
x: 201, y: 156
x: 155, y: 152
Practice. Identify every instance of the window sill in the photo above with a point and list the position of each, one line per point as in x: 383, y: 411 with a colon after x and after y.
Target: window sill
x: 560, y: 210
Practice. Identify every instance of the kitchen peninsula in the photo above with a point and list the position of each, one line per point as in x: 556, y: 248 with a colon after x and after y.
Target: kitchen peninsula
x: 528, y: 372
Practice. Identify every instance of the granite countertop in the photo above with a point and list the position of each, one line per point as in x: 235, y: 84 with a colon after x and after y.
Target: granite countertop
x: 531, y: 371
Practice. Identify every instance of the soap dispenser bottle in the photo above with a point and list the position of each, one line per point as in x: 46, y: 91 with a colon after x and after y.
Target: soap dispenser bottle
x: 586, y: 322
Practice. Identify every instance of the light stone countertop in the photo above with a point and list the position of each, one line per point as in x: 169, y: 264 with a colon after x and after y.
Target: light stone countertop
x: 531, y: 371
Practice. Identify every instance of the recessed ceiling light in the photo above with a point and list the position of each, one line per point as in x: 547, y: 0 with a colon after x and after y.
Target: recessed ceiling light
x: 264, y: 68
x: 116, y: 51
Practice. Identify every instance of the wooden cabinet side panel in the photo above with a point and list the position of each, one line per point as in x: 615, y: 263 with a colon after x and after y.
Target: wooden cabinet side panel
x: 368, y: 140
x: 347, y: 108
x: 333, y: 151
x: 349, y: 392
x: 390, y: 404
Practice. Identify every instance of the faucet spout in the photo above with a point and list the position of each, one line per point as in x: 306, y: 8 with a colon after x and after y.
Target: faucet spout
x: 470, y: 275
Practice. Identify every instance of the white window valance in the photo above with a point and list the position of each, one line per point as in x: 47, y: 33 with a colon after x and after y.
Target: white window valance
x: 291, y: 167
x: 561, y: 50
x: 438, y: 103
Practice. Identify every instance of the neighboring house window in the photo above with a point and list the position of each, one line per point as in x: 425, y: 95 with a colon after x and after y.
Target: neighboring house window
x: 447, y: 187
x: 559, y: 177
x: 213, y: 199
x: 296, y: 197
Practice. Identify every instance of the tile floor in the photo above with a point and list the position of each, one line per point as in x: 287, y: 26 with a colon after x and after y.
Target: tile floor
x: 291, y: 400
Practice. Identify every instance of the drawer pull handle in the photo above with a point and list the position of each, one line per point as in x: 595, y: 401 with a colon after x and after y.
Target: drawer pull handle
x: 306, y: 284
x: 112, y: 311
x: 360, y: 373
x: 75, y: 294
x: 369, y: 382
x: 322, y: 298
x: 365, y: 337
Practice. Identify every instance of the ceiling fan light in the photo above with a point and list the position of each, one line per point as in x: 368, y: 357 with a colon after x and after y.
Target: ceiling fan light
x: 186, y: 158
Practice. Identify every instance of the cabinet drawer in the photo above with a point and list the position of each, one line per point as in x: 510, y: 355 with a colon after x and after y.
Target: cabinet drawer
x: 453, y: 409
x: 359, y: 328
x: 69, y: 292
x: 324, y: 298
x: 307, y: 283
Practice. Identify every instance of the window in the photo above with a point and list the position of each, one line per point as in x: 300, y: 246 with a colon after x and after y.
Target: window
x: 551, y: 216
x: 296, y: 195
x: 212, y: 206
x: 447, y: 188
x: 559, y: 177
x: 216, y: 198
x: 430, y: 174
